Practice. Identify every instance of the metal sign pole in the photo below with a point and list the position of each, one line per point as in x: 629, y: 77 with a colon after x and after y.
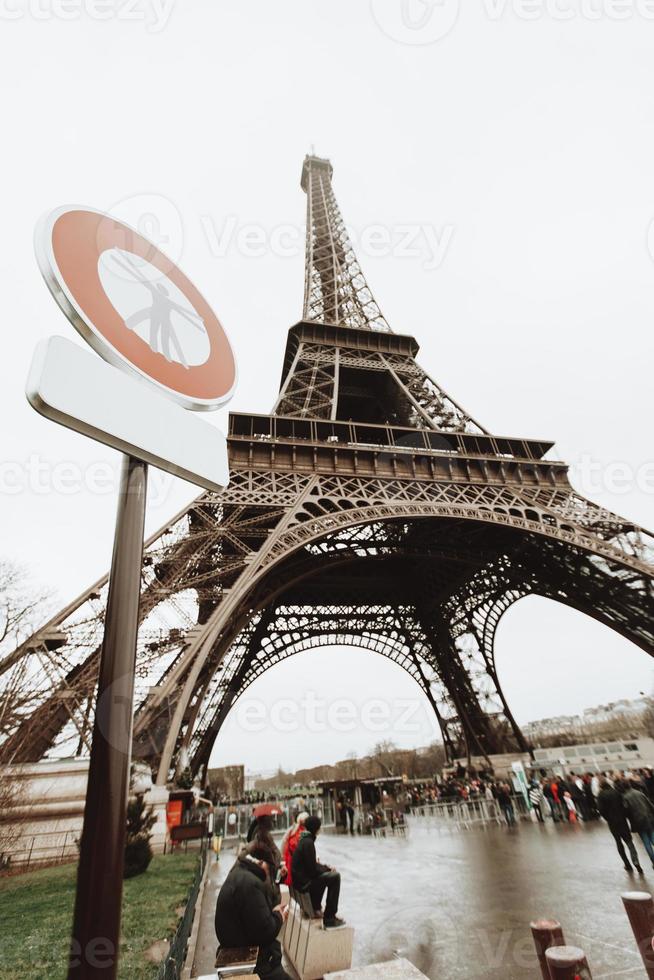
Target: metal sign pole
x: 141, y: 401
x: 96, y: 925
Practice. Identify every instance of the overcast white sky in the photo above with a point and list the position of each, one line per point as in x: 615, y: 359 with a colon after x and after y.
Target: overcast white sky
x: 517, y: 154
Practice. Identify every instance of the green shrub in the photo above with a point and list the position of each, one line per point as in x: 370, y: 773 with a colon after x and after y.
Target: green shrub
x: 185, y: 779
x: 138, y: 853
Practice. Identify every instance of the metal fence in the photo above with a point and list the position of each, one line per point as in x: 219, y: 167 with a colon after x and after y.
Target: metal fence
x: 171, y: 967
x: 464, y: 814
x: 51, y: 847
x: 232, y: 822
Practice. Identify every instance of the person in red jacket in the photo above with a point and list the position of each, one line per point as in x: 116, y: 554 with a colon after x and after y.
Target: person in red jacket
x: 556, y: 797
x: 289, y: 844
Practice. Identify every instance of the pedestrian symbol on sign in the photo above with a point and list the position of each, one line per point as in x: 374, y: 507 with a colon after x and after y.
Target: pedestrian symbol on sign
x: 154, y: 308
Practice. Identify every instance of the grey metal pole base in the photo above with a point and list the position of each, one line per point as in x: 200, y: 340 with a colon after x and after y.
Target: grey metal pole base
x: 96, y: 926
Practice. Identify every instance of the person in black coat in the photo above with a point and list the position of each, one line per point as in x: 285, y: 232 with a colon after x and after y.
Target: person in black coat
x: 261, y: 833
x: 310, y: 876
x: 640, y: 813
x: 611, y: 806
x: 503, y: 796
x: 245, y: 915
x: 648, y: 782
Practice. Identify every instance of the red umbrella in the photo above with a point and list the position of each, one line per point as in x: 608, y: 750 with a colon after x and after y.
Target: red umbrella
x: 267, y: 810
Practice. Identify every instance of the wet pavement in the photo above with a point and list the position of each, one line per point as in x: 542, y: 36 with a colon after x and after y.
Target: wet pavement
x: 457, y: 904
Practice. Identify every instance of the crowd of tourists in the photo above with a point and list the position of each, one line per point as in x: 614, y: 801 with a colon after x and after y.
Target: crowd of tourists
x: 255, y: 797
x: 562, y: 796
x: 249, y: 910
x: 625, y: 800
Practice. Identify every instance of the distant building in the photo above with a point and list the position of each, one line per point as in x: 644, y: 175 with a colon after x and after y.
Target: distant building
x: 615, y: 712
x: 621, y: 754
x: 596, y: 757
x: 552, y: 726
x: 227, y: 781
x: 616, y: 709
x: 252, y: 779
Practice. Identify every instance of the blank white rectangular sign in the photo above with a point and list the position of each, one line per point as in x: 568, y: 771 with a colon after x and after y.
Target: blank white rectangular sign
x: 78, y: 389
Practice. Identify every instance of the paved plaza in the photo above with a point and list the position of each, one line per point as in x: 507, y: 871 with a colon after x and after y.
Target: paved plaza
x: 458, y: 904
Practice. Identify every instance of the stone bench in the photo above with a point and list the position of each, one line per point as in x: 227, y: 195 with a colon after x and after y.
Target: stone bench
x: 311, y: 949
x: 236, y: 962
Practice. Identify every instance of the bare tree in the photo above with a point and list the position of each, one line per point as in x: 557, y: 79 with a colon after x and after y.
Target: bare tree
x: 432, y: 760
x: 23, y: 608
x: 352, y: 765
x: 385, y: 754
x: 11, y: 819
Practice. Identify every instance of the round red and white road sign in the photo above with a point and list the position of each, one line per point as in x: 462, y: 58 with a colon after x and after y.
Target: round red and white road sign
x: 135, y: 307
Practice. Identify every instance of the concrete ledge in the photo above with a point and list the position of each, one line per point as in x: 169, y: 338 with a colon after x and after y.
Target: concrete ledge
x: 314, y: 951
x: 399, y: 969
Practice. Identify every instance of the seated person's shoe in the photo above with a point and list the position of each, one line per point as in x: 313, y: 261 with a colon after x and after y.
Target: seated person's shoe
x: 334, y: 923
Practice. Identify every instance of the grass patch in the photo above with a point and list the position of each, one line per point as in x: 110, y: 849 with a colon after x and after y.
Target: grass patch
x: 36, y: 917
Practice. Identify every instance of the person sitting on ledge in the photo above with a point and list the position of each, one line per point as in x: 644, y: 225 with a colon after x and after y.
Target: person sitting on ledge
x: 312, y: 877
x: 261, y: 833
x: 245, y: 915
x: 289, y: 843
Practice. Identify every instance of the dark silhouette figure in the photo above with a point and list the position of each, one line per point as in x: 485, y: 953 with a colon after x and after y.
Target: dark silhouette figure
x: 162, y: 332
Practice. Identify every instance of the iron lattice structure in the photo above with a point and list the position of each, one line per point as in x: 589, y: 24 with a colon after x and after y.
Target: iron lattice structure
x: 369, y: 509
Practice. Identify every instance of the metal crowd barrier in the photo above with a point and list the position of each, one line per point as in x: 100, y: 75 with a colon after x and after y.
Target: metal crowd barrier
x: 464, y: 814
x: 232, y: 822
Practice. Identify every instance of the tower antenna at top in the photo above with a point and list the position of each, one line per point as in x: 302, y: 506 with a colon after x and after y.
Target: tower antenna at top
x: 335, y: 289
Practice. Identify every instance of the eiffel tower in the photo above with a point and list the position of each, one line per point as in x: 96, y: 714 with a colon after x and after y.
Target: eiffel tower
x: 368, y: 509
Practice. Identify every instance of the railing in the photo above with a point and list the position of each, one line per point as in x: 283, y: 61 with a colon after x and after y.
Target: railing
x: 290, y: 428
x: 171, y: 967
x: 463, y: 814
x: 232, y: 822
x: 49, y: 847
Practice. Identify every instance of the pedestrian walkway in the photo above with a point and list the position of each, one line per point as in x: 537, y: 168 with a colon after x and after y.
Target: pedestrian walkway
x: 459, y: 905
x: 205, y: 950
x: 399, y: 969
